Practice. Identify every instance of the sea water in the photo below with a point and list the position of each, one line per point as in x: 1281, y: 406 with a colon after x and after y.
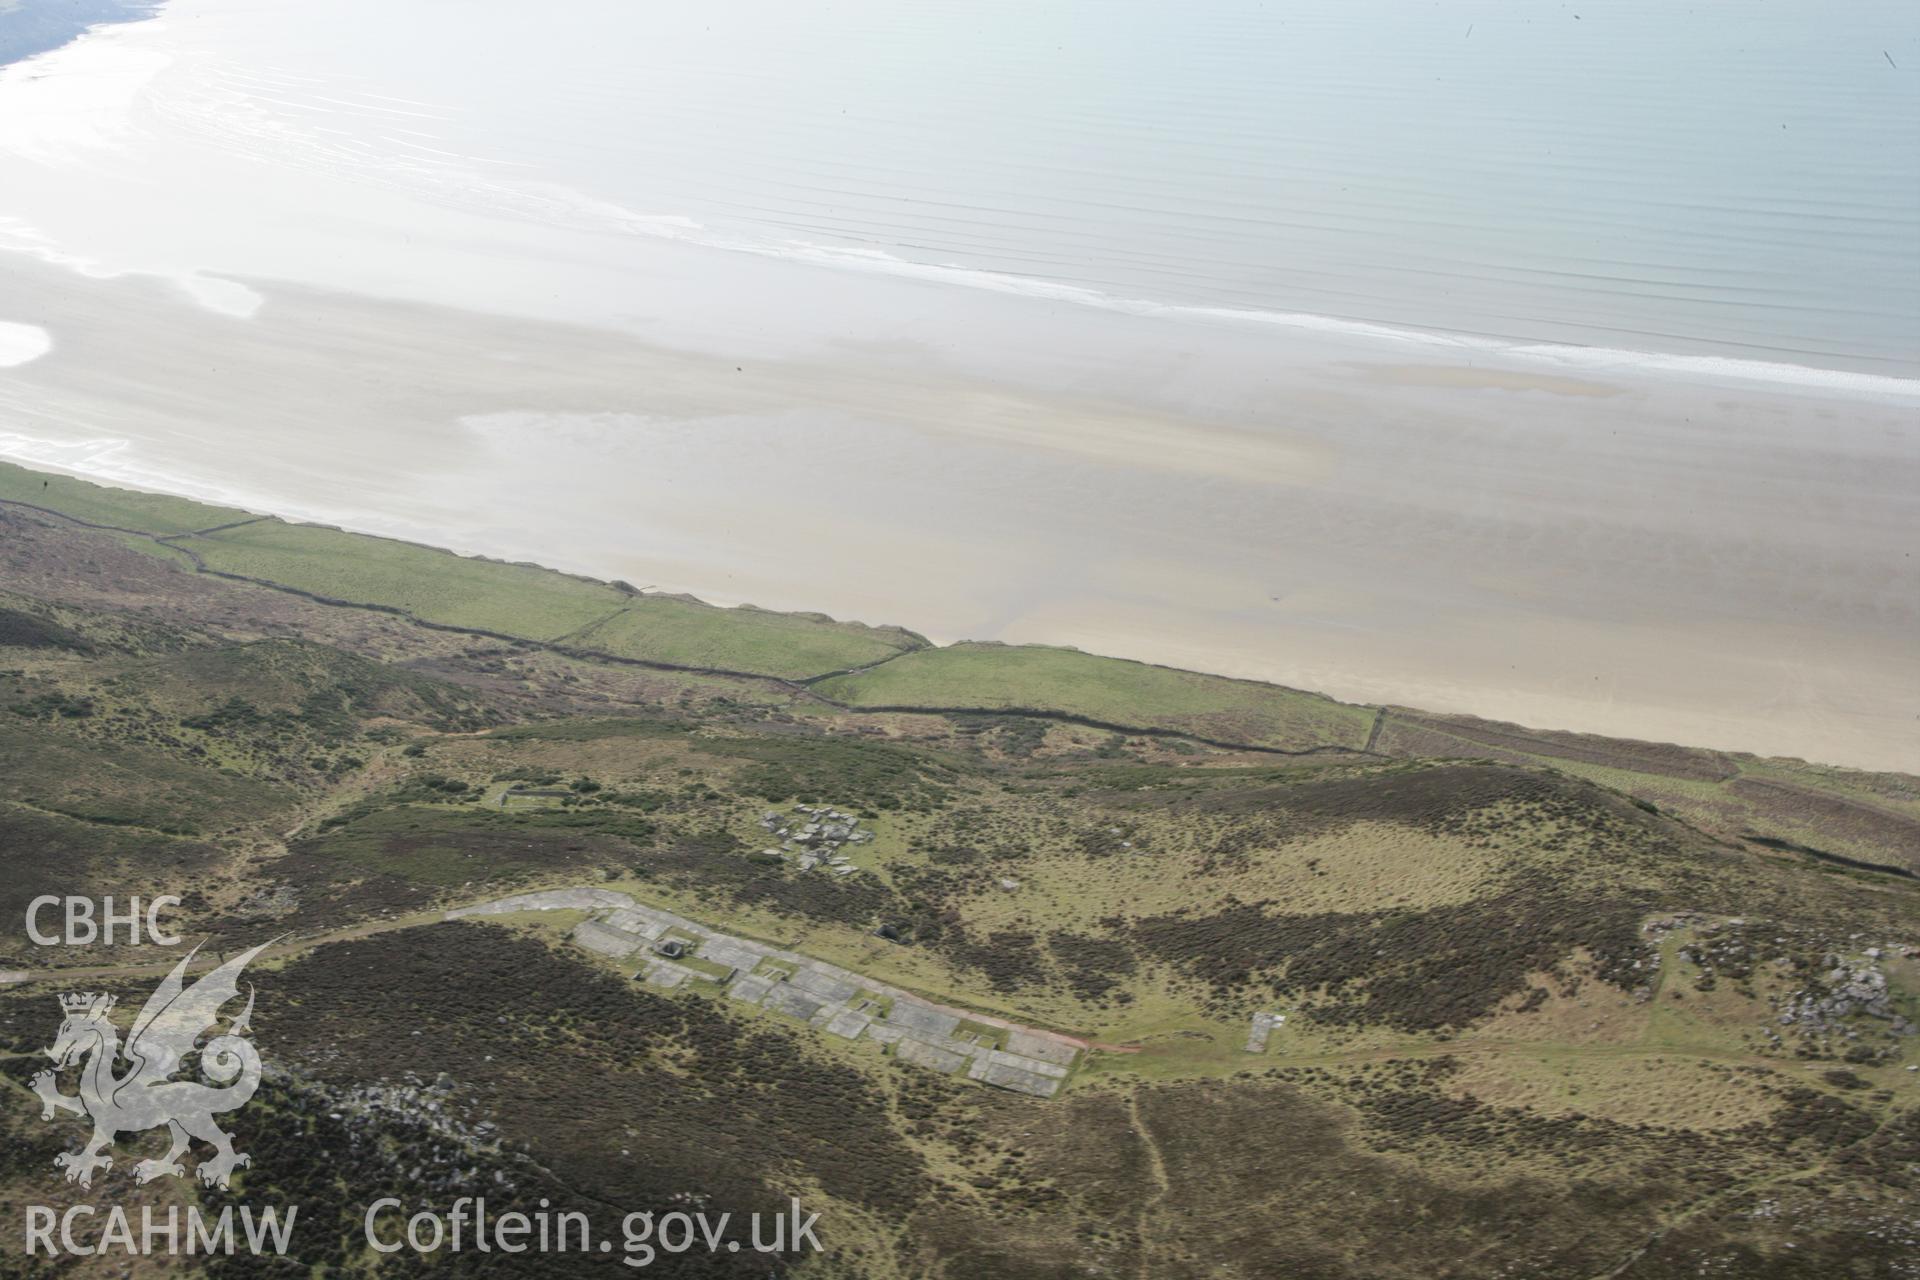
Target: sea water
x: 1721, y: 179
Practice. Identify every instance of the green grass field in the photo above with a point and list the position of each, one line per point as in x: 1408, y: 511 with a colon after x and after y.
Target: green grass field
x: 123, y: 508
x: 1113, y: 690
x: 463, y: 591
x: 437, y: 586
x: 540, y: 604
x: 689, y: 633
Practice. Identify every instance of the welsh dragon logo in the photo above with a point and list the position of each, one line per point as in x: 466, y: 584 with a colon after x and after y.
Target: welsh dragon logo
x: 145, y: 1096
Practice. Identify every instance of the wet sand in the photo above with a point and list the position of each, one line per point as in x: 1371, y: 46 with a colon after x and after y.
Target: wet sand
x: 1611, y: 552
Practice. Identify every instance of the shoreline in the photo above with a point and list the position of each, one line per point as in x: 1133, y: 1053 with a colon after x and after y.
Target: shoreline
x: 1632, y: 557
x: 1644, y: 553
x: 1596, y: 554
x: 1480, y: 714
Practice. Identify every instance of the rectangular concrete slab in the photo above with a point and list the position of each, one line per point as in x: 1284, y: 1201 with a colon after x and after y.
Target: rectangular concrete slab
x: 922, y: 1054
x: 848, y: 1024
x: 1263, y: 1026
x: 642, y: 923
x: 595, y: 936
x: 750, y: 989
x: 922, y: 1021
x: 826, y: 982
x: 1030, y: 1044
x: 795, y: 1004
x: 547, y: 900
x: 1002, y: 1075
x: 735, y: 955
x: 667, y: 975
x: 1017, y: 1063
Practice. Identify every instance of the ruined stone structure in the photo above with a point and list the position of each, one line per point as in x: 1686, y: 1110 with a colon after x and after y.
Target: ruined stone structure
x: 835, y: 1000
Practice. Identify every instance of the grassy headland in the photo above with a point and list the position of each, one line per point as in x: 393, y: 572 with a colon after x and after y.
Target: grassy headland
x: 1554, y: 1005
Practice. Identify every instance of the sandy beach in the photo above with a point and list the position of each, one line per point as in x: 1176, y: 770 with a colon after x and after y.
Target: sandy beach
x: 329, y: 279
x: 1630, y: 555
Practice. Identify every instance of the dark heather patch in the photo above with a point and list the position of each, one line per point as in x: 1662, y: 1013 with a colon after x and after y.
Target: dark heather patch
x: 1889, y: 1155
x: 313, y: 1148
x: 718, y: 864
x: 742, y: 1112
x: 1447, y: 798
x: 1820, y: 1120
x: 50, y: 854
x: 829, y: 770
x: 1093, y: 966
x: 1424, y: 796
x: 403, y: 859
x: 1257, y: 1173
x: 24, y: 631
x: 1009, y: 958
x: 1413, y: 970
